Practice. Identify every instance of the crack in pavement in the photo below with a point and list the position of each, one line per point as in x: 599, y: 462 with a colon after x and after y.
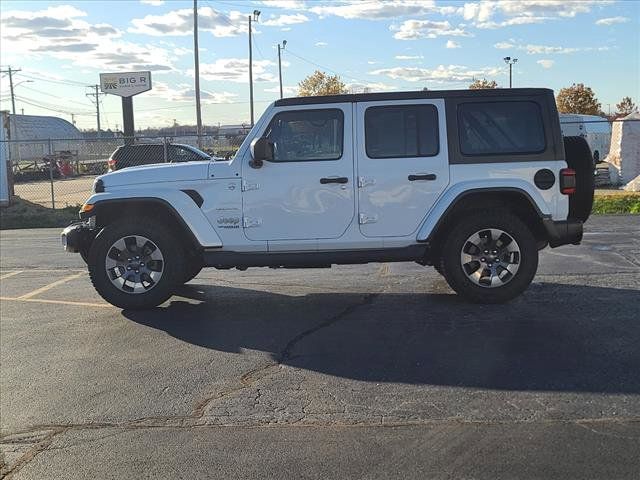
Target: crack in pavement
x: 247, y: 380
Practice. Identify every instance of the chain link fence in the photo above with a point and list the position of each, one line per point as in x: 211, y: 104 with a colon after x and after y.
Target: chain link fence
x: 58, y: 173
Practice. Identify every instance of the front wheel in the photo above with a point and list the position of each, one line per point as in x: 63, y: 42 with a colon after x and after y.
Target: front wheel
x: 133, y: 263
x: 490, y: 257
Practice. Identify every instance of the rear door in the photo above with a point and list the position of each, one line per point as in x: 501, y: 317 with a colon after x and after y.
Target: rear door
x: 402, y: 164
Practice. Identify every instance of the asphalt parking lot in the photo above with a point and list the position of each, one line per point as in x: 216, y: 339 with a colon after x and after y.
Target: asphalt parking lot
x: 374, y: 371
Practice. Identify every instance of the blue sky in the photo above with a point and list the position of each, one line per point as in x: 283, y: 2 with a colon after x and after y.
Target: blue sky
x: 379, y: 45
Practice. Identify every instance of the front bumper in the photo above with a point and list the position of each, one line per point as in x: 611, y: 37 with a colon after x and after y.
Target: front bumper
x: 563, y: 232
x: 77, y: 237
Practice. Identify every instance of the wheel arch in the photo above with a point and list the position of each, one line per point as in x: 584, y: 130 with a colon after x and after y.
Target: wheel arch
x: 516, y: 200
x: 109, y: 210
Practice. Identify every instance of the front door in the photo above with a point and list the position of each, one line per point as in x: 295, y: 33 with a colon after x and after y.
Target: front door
x: 307, y: 191
x: 403, y: 164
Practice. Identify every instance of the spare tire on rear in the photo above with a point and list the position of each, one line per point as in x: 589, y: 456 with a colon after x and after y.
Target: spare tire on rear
x: 578, y: 157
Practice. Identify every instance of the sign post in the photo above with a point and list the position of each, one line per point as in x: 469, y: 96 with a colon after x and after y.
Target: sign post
x: 126, y: 85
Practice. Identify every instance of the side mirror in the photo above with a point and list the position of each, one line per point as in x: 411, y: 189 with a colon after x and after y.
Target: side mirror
x: 261, y: 150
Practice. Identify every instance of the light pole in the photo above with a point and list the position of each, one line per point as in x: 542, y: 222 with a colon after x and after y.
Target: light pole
x: 284, y: 44
x: 510, y: 61
x: 196, y: 58
x: 256, y: 14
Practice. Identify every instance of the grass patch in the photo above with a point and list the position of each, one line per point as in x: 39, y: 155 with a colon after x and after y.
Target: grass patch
x: 627, y: 202
x: 24, y: 214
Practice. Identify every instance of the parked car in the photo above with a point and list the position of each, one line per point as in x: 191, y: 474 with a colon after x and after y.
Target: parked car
x: 149, y: 153
x: 472, y: 182
x: 594, y: 129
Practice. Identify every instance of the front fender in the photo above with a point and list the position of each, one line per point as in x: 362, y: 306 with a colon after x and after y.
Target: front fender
x: 182, y: 205
x: 457, y: 191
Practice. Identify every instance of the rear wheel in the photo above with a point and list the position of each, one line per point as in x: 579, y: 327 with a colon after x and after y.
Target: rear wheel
x: 133, y: 263
x: 490, y: 257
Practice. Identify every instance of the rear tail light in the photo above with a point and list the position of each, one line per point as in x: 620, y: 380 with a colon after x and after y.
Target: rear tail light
x: 111, y: 164
x: 568, y: 181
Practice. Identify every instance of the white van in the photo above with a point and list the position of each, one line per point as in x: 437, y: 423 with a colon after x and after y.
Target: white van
x: 594, y: 129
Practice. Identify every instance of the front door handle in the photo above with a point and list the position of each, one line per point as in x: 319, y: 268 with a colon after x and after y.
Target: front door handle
x: 422, y: 176
x: 334, y: 180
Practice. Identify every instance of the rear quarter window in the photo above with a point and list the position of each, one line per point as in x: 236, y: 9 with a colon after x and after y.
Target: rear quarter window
x: 500, y: 128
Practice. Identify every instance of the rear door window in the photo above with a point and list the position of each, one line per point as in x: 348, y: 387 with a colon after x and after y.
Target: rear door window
x: 500, y: 128
x: 401, y: 131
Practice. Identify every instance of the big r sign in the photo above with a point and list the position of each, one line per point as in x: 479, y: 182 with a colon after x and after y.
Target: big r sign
x: 125, y: 84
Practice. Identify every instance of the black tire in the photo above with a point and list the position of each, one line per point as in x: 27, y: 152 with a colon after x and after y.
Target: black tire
x: 172, y: 263
x: 193, y: 266
x: 578, y: 156
x: 477, y: 221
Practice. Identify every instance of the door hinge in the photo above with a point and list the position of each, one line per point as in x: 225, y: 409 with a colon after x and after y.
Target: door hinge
x: 364, y: 218
x: 364, y: 181
x: 249, y: 186
x: 248, y: 222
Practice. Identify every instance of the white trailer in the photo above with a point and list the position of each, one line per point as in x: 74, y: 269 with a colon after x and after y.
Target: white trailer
x: 594, y: 129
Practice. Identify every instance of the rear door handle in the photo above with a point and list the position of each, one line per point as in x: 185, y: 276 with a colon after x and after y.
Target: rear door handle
x: 422, y: 176
x: 334, y: 180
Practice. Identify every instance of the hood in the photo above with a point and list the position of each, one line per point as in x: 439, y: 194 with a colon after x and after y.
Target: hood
x: 156, y: 173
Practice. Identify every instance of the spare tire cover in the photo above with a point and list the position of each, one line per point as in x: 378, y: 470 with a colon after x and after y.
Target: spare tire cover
x: 578, y: 156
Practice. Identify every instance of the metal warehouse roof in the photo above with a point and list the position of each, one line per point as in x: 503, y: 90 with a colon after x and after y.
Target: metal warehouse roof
x: 36, y: 127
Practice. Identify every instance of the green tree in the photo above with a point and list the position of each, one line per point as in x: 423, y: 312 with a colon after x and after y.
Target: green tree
x: 625, y: 107
x: 319, y: 83
x: 481, y: 84
x: 578, y: 99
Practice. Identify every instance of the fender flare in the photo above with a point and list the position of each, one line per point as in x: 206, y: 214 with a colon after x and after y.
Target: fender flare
x: 451, y: 197
x: 180, y: 204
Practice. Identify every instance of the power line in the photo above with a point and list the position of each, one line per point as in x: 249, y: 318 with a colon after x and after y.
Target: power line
x: 62, y: 82
x: 96, y: 95
x: 325, y: 67
x: 57, y: 110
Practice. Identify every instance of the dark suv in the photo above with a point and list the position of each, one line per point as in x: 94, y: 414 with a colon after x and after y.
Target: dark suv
x: 148, y: 153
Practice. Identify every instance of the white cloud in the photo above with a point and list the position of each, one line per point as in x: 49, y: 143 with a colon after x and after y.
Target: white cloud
x: 415, y: 29
x: 321, y: 44
x: 287, y: 91
x: 441, y: 74
x: 372, y: 62
x: 358, y: 9
x: 452, y: 44
x: 368, y: 87
x: 504, y: 45
x: 546, y: 63
x: 612, y: 20
x: 409, y: 57
x: 289, y: 4
x: 236, y: 70
x: 281, y: 20
x: 186, y: 93
x: 180, y: 23
x: 482, y: 13
x: 61, y: 33
x: 153, y: 3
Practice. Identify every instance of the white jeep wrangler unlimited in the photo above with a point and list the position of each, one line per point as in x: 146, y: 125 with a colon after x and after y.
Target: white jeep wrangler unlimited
x: 471, y: 182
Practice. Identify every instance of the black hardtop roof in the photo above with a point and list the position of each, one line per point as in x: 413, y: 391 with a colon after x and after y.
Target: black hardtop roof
x: 375, y: 97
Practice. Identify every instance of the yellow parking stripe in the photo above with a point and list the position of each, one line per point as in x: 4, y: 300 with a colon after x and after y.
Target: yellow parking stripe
x: 50, y: 286
x: 7, y: 275
x: 56, y: 302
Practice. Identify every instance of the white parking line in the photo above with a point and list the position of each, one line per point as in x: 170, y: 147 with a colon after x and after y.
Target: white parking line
x: 56, y: 302
x: 7, y: 275
x: 50, y: 286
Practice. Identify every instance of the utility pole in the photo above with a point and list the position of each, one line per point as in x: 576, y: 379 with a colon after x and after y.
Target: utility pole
x: 284, y: 44
x: 11, y: 71
x: 96, y: 98
x: 73, y: 118
x: 196, y: 57
x: 256, y: 14
x: 510, y: 61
